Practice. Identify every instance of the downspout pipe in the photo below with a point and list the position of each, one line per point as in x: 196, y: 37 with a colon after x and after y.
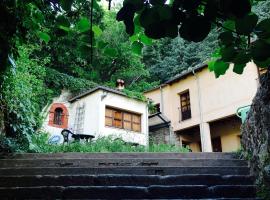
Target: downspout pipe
x: 162, y: 111
x: 147, y: 128
x: 200, y: 109
x: 161, y: 100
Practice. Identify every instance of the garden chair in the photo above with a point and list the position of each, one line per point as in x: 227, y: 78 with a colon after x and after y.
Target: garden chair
x: 65, y: 133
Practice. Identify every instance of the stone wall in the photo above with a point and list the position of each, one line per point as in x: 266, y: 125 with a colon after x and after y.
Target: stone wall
x: 256, y: 135
x: 160, y: 136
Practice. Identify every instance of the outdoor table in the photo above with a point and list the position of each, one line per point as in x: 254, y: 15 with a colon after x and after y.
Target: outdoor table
x: 78, y: 137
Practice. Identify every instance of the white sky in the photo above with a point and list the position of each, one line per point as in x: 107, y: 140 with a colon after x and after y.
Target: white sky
x: 105, y: 3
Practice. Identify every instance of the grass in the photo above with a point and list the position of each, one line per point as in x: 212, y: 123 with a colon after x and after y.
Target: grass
x: 104, y: 144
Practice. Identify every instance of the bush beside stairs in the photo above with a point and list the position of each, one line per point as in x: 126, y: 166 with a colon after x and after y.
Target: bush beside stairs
x: 125, y: 176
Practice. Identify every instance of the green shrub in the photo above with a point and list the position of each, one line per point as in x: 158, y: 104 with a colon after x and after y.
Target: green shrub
x: 166, y: 148
x: 103, y: 144
x: 8, y: 145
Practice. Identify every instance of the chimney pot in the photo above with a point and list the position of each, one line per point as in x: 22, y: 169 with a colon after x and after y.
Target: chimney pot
x: 120, y: 84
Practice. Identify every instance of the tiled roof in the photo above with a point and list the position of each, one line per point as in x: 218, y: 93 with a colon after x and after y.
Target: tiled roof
x: 96, y: 89
x: 180, y: 76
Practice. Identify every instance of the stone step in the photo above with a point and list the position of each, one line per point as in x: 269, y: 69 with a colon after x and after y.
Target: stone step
x: 172, y: 170
x: 124, y: 180
x: 130, y: 192
x: 127, y: 162
x: 118, y: 155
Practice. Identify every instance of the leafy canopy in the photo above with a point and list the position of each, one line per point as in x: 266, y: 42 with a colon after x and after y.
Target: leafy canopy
x: 193, y: 20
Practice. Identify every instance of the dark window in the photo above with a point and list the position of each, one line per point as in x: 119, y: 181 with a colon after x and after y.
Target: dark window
x: 185, y: 106
x: 58, y: 116
x: 122, y: 119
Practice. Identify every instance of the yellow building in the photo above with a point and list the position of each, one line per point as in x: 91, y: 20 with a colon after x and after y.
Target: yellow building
x: 202, y: 109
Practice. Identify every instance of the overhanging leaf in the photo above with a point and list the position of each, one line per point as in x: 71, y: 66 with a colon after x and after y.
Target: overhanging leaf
x: 229, y: 24
x: 260, y: 50
x: 263, y: 29
x: 137, y: 47
x: 246, y: 24
x: 263, y: 64
x: 148, y: 17
x: 102, y: 44
x: 211, y: 65
x: 228, y: 53
x: 145, y: 40
x: 44, y: 36
x: 133, y: 38
x: 83, y: 25
x: 67, y: 29
x: 85, y: 50
x: 97, y: 31
x: 189, y: 29
x: 157, y: 2
x: 62, y: 21
x: 220, y: 68
x: 110, y: 52
x: 238, y: 68
x: 137, y: 4
x: 226, y: 38
x: 242, y: 58
x: 66, y: 4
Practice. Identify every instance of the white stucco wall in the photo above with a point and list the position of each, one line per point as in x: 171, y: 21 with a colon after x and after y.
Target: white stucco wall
x: 91, y: 103
x: 94, y: 118
x: 63, y: 99
x: 127, y: 104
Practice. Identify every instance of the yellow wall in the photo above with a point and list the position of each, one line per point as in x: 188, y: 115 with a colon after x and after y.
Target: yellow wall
x: 229, y: 132
x: 220, y: 97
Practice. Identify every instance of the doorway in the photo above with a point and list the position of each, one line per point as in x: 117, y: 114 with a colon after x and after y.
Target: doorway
x: 216, y: 144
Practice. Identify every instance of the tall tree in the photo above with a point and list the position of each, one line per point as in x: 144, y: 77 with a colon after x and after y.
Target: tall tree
x: 169, y: 57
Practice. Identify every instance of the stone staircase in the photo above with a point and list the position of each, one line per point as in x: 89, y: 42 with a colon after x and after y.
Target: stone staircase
x: 125, y: 176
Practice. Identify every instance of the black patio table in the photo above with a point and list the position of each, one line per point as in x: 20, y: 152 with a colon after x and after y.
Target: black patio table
x: 77, y: 137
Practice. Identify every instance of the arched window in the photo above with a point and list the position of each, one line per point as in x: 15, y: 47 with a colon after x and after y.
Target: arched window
x: 58, y: 116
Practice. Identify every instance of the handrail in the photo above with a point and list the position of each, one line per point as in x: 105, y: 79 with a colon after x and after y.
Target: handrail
x: 241, y: 112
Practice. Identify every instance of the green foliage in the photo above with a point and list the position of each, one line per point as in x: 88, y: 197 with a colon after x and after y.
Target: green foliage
x: 193, y: 21
x: 44, y: 36
x: 169, y: 57
x: 166, y: 148
x: 103, y: 144
x: 151, y: 108
x: 116, y: 60
x: 56, y: 81
x: 83, y: 25
x: 134, y: 94
x: 8, y: 145
x: 22, y: 97
x: 137, y: 47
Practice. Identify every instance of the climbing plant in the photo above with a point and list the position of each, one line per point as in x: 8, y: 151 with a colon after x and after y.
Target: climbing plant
x: 243, y: 37
x: 22, y: 97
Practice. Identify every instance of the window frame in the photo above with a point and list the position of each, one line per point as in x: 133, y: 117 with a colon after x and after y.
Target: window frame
x: 64, y: 118
x: 185, y: 115
x: 123, y: 120
x: 58, y: 117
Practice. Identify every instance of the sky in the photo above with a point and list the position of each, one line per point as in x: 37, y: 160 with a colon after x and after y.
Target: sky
x: 114, y: 2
